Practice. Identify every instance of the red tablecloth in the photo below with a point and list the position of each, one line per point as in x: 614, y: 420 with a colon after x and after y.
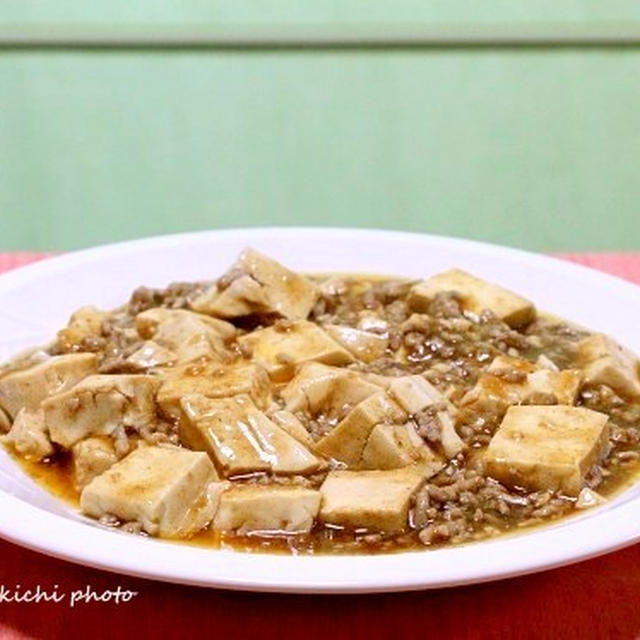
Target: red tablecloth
x: 595, y: 599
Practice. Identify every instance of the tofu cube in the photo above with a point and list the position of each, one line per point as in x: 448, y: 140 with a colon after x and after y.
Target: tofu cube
x: 476, y: 295
x: 91, y: 457
x: 166, y: 489
x: 271, y: 509
x: 393, y: 446
x: 212, y: 381
x: 150, y: 321
x: 100, y: 404
x: 363, y: 345
x: 346, y: 441
x: 547, y: 447
x: 509, y: 381
x: 606, y: 362
x: 332, y: 391
x: 415, y: 394
x: 280, y: 350
x: 293, y: 426
x: 28, y: 435
x: 150, y: 356
x: 370, y: 500
x: 85, y: 322
x: 241, y: 439
x: 258, y: 284
x: 221, y: 427
x: 29, y: 387
x: 189, y: 335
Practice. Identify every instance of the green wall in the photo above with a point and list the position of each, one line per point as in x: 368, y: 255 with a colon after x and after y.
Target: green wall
x: 537, y: 147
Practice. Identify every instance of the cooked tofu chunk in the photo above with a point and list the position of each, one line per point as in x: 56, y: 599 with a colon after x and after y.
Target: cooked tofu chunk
x: 240, y: 438
x: 346, y: 441
x: 100, y: 404
x: 363, y: 345
x: 167, y: 490
x: 91, y: 457
x: 332, y: 391
x: 294, y: 427
x: 371, y: 500
x: 415, y: 394
x: 547, y: 447
x: 85, y: 322
x: 476, y: 295
x: 151, y: 355
x: 189, y: 335
x: 29, y: 387
x: 267, y: 509
x: 606, y: 362
x: 213, y: 381
x: 257, y: 284
x: 281, y: 349
x: 509, y: 381
x: 148, y: 322
x: 28, y: 435
x: 393, y: 446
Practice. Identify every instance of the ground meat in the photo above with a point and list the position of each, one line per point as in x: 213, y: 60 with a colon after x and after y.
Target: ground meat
x: 176, y: 296
x: 460, y: 504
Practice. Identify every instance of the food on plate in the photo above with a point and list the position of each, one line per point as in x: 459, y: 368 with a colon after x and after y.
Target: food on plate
x: 270, y: 410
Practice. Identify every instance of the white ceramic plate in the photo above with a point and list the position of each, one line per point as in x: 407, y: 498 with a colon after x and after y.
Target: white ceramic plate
x: 37, y: 300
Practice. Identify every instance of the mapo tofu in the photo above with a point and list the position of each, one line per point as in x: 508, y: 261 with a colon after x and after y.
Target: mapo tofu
x: 279, y: 411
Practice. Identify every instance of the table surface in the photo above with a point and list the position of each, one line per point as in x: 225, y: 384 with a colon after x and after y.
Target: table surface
x: 593, y: 599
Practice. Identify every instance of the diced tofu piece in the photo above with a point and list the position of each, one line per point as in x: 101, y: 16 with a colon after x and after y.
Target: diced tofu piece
x: 28, y: 435
x: 148, y: 322
x: 240, y: 438
x: 91, y: 457
x: 151, y: 355
x: 285, y: 453
x: 415, y: 394
x: 258, y: 284
x: 476, y: 295
x: 221, y: 428
x: 212, y: 381
x: 330, y: 390
x: 287, y: 421
x: 393, y: 446
x: 364, y: 345
x: 509, y: 381
x: 347, y: 440
x: 166, y: 489
x: 547, y: 447
x: 280, y: 350
x: 29, y: 387
x: 267, y: 509
x: 85, y: 322
x: 242, y: 297
x: 100, y: 404
x: 189, y: 335
x: 371, y: 500
x: 606, y: 362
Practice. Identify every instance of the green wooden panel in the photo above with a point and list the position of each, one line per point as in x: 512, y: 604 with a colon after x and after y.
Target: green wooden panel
x: 339, y: 13
x: 532, y: 148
